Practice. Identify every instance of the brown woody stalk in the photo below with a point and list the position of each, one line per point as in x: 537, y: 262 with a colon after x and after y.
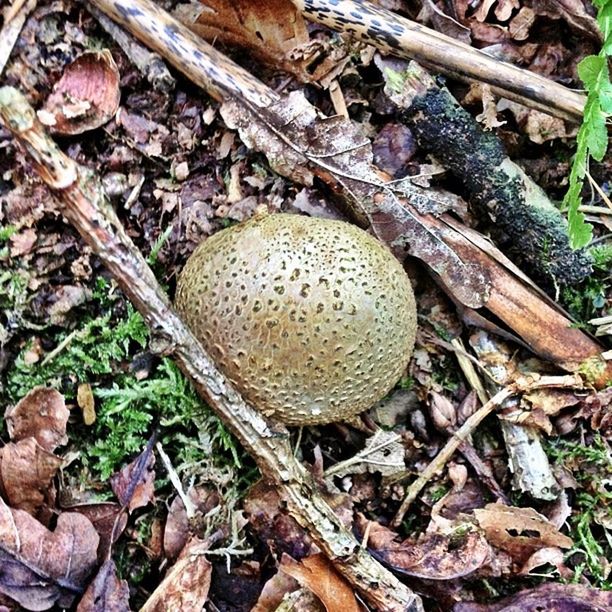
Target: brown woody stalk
x: 84, y: 204
x: 401, y: 37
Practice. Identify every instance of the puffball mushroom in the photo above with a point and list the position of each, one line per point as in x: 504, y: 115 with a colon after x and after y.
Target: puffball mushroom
x: 312, y: 320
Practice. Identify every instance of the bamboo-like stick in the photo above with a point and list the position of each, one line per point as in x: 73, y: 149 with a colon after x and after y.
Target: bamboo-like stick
x: 399, y: 36
x: 83, y: 203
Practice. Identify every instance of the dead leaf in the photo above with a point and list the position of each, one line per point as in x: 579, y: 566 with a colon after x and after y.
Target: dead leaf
x: 549, y: 597
x: 273, y: 592
x: 23, y: 242
x: 383, y: 453
x: 134, y: 484
x: 26, y: 475
x: 185, y: 586
x: 550, y: 555
x: 85, y: 97
x: 519, y: 531
x: 318, y: 574
x: 108, y: 519
x: 273, y: 526
x: 393, y: 147
x: 107, y: 593
x: 177, y: 529
x: 273, y: 31
x: 87, y: 403
x: 40, y: 568
x: 435, y: 557
x: 42, y: 415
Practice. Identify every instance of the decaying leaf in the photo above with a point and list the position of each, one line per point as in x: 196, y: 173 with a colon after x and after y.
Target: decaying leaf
x: 178, y: 524
x: 108, y: 519
x: 274, y: 31
x: 42, y: 415
x: 40, y: 568
x: 107, y: 592
x: 318, y: 574
x: 436, y: 557
x: 549, y: 597
x: 272, y: 525
x: 134, y: 484
x: 26, y: 475
x: 86, y: 96
x: 274, y: 590
x: 87, y: 403
x: 185, y: 586
x: 519, y: 531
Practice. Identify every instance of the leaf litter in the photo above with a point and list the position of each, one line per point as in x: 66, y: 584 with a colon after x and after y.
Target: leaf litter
x: 199, y: 178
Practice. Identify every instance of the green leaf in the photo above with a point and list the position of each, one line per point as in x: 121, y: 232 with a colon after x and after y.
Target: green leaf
x: 580, y: 232
x: 596, y: 134
x: 590, y: 70
x: 605, y: 98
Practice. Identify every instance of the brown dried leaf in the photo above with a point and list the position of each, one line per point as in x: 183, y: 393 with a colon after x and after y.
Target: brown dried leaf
x: 26, y: 475
x: 107, y: 593
x: 86, y: 96
x: 108, y: 519
x: 551, y: 401
x: 40, y: 568
x: 177, y: 528
x: 87, y: 403
x: 41, y: 414
x: 134, y: 484
x: 273, y: 592
x: 519, y: 531
x: 318, y: 574
x: 274, y: 31
x: 23, y: 242
x: 550, y: 555
x: 549, y: 597
x: 185, y: 586
x: 273, y: 526
x: 572, y: 12
x: 436, y: 557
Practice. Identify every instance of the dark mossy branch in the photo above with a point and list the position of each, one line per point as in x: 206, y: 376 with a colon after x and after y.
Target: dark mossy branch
x: 530, y: 227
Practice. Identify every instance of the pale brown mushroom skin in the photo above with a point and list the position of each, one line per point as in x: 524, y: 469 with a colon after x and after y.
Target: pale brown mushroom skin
x: 312, y: 320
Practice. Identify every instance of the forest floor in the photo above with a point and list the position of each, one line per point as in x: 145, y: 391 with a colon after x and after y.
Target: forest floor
x: 88, y: 403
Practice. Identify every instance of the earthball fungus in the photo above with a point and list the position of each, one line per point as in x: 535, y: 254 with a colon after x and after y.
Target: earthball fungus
x: 312, y: 320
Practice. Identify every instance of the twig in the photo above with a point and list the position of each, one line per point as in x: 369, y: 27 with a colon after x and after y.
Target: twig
x: 83, y: 203
x: 463, y: 433
x: 404, y: 38
x: 151, y: 65
x: 190, y: 507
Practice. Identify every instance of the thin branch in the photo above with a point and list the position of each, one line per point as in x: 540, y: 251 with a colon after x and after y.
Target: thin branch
x: 464, y: 432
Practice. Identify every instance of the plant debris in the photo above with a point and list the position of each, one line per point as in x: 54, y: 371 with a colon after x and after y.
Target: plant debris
x: 121, y: 489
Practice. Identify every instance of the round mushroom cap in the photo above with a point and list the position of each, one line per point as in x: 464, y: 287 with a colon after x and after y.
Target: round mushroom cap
x: 312, y: 320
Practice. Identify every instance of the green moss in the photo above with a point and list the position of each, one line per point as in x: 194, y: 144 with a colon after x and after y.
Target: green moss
x: 591, y: 465
x: 99, y: 352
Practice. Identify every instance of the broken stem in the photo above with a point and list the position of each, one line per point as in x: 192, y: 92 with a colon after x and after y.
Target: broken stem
x: 464, y: 432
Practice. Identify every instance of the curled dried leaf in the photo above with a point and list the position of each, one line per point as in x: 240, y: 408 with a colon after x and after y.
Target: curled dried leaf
x: 86, y: 96
x: 42, y: 415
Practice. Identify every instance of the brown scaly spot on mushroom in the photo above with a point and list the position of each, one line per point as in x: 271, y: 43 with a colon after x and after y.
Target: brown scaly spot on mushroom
x: 312, y: 320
